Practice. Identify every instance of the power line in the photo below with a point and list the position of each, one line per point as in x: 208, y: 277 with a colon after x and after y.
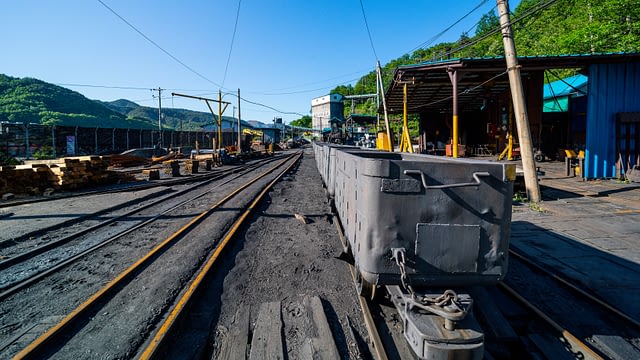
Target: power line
x: 158, y: 46
x: 235, y: 27
x: 541, y: 6
x: 366, y: 24
x: 438, y: 35
x: 310, y: 90
x: 465, y: 91
x: 104, y: 86
x: 124, y: 87
x: 275, y: 91
x: 272, y: 108
x: 174, y: 89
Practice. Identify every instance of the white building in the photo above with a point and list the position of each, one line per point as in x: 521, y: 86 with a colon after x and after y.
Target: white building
x: 325, y: 108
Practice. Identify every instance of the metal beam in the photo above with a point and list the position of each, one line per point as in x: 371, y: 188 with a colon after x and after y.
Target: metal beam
x: 220, y: 111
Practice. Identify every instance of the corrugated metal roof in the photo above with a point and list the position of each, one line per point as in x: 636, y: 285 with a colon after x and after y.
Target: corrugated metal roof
x: 573, y: 85
x: 594, y: 56
x: 430, y: 89
x: 555, y: 95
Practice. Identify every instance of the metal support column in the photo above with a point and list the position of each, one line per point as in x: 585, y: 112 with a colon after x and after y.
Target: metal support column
x: 239, y: 127
x: 453, y: 75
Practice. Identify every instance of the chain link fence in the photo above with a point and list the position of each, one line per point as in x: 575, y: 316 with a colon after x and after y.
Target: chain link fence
x: 28, y: 141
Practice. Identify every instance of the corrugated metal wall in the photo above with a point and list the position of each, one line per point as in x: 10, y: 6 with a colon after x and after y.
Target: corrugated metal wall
x: 613, y: 88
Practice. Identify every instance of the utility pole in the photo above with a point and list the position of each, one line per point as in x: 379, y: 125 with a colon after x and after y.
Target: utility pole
x: 219, y: 142
x: 239, y: 127
x: 159, y: 90
x: 519, y: 107
x: 384, y: 106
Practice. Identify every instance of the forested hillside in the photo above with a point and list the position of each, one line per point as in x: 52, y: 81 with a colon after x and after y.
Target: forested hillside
x: 176, y: 119
x: 30, y: 100
x: 541, y: 27
x: 27, y: 100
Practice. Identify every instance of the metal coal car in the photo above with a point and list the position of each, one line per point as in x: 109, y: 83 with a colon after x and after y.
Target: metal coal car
x: 419, y: 220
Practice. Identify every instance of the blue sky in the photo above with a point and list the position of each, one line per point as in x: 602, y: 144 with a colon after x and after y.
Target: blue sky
x: 285, y: 52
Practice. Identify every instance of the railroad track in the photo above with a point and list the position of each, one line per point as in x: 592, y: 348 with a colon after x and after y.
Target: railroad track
x: 175, y: 184
x: 576, y: 323
x: 386, y: 340
x: 58, y: 247
x: 143, y: 301
x: 594, y: 330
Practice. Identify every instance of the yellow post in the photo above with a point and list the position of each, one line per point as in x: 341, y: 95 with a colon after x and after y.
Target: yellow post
x: 382, y: 142
x: 405, y: 141
x: 510, y: 148
x: 453, y: 76
x: 454, y: 141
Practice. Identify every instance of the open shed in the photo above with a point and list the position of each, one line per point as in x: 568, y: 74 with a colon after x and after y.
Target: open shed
x: 477, y: 90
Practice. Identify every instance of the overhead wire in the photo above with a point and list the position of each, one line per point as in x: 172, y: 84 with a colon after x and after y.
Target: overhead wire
x: 311, y: 90
x: 465, y: 91
x: 270, y: 107
x: 565, y: 82
x: 122, y: 87
x: 366, y: 24
x: 158, y: 46
x: 233, y: 37
x: 468, y: 90
x: 275, y: 91
x: 104, y: 86
x: 539, y: 7
x: 438, y: 35
x: 187, y: 66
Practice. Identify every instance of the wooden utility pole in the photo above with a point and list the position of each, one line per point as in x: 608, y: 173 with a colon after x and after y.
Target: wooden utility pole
x: 519, y: 107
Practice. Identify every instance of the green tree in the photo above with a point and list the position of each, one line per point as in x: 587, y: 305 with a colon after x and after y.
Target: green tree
x: 304, y: 121
x: 487, y: 23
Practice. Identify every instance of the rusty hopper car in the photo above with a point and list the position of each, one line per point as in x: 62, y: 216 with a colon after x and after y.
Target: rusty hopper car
x: 421, y: 221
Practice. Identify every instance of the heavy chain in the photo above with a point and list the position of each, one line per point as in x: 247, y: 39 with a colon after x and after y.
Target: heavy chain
x: 447, y: 305
x: 398, y: 256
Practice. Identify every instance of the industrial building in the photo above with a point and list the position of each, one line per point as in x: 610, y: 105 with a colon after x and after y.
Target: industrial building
x: 606, y: 127
x: 325, y: 108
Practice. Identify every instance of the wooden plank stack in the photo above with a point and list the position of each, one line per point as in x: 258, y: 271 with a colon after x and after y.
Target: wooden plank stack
x: 65, y: 173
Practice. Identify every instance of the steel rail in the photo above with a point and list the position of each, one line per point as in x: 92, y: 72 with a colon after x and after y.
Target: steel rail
x: 47, y: 337
x: 135, y: 187
x: 43, y: 248
x: 374, y: 335
x: 586, y: 350
x: 573, y: 287
x: 165, y: 328
x: 79, y: 219
x: 21, y: 284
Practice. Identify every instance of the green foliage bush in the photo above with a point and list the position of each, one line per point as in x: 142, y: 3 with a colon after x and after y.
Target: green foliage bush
x: 7, y: 160
x: 43, y: 153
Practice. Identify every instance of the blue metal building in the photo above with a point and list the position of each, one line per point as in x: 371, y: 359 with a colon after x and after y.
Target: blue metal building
x: 614, y: 89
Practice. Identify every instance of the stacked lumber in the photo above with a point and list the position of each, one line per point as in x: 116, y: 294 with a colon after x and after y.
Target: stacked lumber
x: 24, y: 179
x: 75, y: 172
x: 128, y: 160
x: 66, y: 173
